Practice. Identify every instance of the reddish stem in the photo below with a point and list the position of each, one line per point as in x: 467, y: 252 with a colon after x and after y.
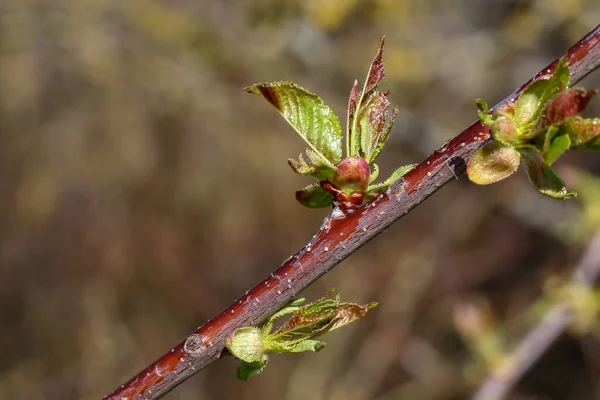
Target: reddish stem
x: 337, y: 239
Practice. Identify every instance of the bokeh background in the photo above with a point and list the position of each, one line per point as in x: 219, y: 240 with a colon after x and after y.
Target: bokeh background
x: 142, y: 191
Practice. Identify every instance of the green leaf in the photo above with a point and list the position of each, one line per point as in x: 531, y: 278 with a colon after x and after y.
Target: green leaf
x: 312, y: 320
x: 531, y: 103
x: 245, y: 370
x: 383, y: 136
x: 355, y: 107
x: 351, y: 137
x: 483, y: 112
x: 556, y: 143
x: 371, y: 120
x: 313, y: 196
x: 374, y: 174
x: 314, y: 121
x: 308, y: 345
x: 290, y: 308
x: 543, y: 177
x: 584, y: 133
x: 492, y: 163
x: 374, y: 190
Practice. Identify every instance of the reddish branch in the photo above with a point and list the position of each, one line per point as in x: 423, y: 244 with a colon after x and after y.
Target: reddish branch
x: 336, y: 240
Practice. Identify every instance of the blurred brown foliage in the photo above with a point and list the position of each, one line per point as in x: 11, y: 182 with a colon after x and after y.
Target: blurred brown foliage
x: 141, y: 191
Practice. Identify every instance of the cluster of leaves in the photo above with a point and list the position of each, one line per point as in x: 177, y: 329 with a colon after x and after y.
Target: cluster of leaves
x: 536, y: 130
x: 349, y: 181
x: 296, y: 335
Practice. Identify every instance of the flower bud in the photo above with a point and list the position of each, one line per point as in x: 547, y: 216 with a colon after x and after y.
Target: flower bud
x: 352, y: 175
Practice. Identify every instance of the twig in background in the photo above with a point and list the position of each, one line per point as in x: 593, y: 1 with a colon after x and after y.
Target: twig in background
x: 540, y: 338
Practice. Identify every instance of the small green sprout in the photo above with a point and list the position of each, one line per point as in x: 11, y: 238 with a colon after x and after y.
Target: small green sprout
x: 344, y: 182
x: 536, y: 131
x: 296, y: 335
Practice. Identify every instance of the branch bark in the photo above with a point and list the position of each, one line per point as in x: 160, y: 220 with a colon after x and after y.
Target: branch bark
x: 336, y: 239
x: 540, y: 338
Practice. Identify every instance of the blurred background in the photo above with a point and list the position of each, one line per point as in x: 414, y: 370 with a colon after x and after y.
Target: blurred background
x: 142, y: 191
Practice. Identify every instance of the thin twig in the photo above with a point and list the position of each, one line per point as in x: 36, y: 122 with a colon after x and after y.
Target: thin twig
x: 540, y: 338
x: 336, y: 240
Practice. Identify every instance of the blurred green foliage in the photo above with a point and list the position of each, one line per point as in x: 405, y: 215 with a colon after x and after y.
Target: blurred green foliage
x: 132, y: 208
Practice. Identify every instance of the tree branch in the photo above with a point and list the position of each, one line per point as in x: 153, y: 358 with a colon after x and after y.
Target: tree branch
x: 336, y: 240
x: 540, y: 338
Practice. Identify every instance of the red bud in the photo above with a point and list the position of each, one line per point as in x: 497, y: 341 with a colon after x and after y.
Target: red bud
x: 352, y: 175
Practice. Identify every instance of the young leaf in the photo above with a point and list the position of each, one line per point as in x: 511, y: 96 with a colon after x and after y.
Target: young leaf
x: 313, y: 320
x: 245, y: 369
x: 374, y: 190
x: 374, y: 174
x: 296, y: 335
x: 483, y: 112
x: 314, y: 121
x: 556, y: 143
x: 492, y: 163
x: 542, y: 176
x: 584, y: 133
x: 382, y: 138
x: 349, y: 120
x: 371, y: 120
x: 375, y: 75
x: 531, y: 103
x: 313, y: 196
x: 566, y: 104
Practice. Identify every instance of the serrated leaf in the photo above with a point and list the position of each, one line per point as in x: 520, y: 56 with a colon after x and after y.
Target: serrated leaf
x: 245, y: 370
x: 376, y: 71
x: 542, y: 176
x: 384, y: 135
x: 314, y: 121
x: 314, y: 167
x: 584, y: 133
x: 530, y: 105
x: 374, y: 174
x: 290, y: 308
x: 313, y: 196
x: 492, y: 163
x: 313, y: 320
x: 377, y: 188
x: 301, y: 167
x: 371, y: 120
x: 375, y: 75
